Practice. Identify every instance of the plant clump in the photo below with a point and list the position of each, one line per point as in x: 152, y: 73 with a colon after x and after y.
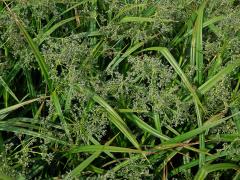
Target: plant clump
x: 119, y: 89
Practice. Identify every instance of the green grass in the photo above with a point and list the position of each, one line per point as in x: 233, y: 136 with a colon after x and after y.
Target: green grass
x: 119, y: 89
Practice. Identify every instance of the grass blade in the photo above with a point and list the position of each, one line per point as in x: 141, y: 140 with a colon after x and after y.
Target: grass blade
x: 224, y: 137
x: 136, y: 19
x: 216, y: 65
x: 31, y: 89
x: 7, y: 88
x: 114, y: 63
x: 125, y: 163
x: 101, y: 148
x: 187, y: 27
x: 194, y: 163
x: 205, y: 24
x: 113, y: 116
x: 190, y: 134
x: 205, y: 170
x: 178, y: 70
x: 126, y: 9
x: 77, y: 171
x: 144, y: 126
x: 41, y: 37
x: 57, y: 105
x: 236, y: 176
x: 157, y: 122
x: 31, y: 121
x: 201, y: 136
x: 41, y: 62
x: 189, y: 32
x: 128, y: 19
x: 44, y: 69
x: 236, y: 119
x: 16, y: 68
x: 219, y: 76
x: 18, y: 130
x: 55, y: 18
x: 196, y: 47
x: 95, y: 142
x: 19, y: 105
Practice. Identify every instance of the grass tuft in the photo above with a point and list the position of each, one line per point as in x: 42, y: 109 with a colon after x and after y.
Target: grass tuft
x: 119, y: 89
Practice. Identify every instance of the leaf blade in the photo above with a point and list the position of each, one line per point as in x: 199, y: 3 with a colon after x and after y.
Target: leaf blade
x: 40, y: 60
x: 113, y: 116
x: 178, y: 70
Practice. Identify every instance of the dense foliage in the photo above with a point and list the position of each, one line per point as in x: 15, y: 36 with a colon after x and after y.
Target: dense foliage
x: 122, y: 89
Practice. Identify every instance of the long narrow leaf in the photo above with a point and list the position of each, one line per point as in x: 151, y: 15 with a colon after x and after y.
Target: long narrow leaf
x: 11, y: 75
x: 77, y: 171
x: 18, y: 130
x: 128, y: 19
x: 7, y: 88
x: 31, y: 89
x: 201, y: 136
x: 41, y: 62
x: 126, y: 9
x: 192, y: 133
x: 194, y: 163
x: 205, y: 170
x: 136, y: 19
x: 113, y: 116
x: 101, y: 148
x: 189, y: 32
x: 178, y: 70
x: 56, y: 103
x: 206, y: 24
x: 113, y: 64
x: 145, y: 126
x: 19, y: 105
x: 41, y: 37
x: 219, y: 76
x: 196, y: 47
x: 55, y: 18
